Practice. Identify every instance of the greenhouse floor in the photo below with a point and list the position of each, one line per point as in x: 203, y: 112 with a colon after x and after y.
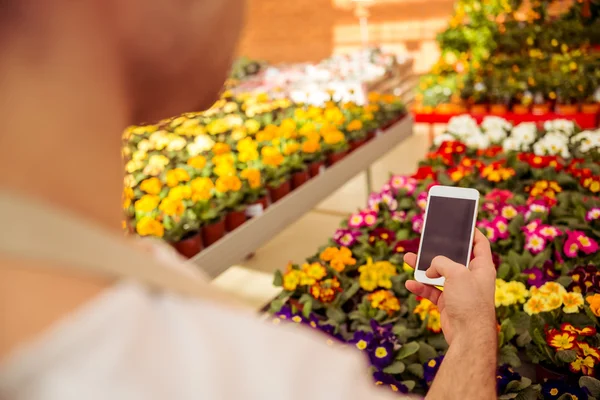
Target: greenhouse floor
x: 251, y: 281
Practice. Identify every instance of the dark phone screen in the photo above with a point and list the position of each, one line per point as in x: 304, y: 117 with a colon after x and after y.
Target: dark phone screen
x: 447, y: 230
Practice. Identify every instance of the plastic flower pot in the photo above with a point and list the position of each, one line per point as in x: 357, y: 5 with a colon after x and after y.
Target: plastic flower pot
x: 299, y: 178
x: 371, y: 135
x: 567, y: 109
x: 336, y: 157
x: 279, y: 192
x: 213, y: 232
x: 498, y: 109
x: 520, y: 109
x: 316, y: 168
x: 590, y: 108
x: 356, y: 144
x: 540, y: 109
x: 190, y: 245
x: 479, y: 109
x: 257, y: 208
x: 234, y: 219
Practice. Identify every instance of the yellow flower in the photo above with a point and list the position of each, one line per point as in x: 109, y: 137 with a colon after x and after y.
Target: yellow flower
x: 177, y: 175
x: 517, y: 290
x: 355, y: 125
x: 384, y: 300
x: 271, y: 156
x: 201, y: 189
x: 434, y: 321
x: 315, y: 271
x: 373, y: 97
x: 197, y: 162
x: 572, y: 302
x: 552, y: 288
x: 148, y: 226
x: 127, y: 196
x: 424, y: 307
x: 217, y: 126
x: 180, y: 193
x: 503, y: 298
x: 333, y: 137
x: 311, y: 146
x: 133, y: 166
x: 172, y: 207
x: 158, y: 160
x: 534, y: 305
x: 334, y: 115
x: 252, y: 126
x: 253, y: 177
x: 151, y: 186
x: 222, y: 170
x: 291, y: 148
x: 291, y: 279
x: 377, y: 274
x: 221, y: 148
x: 594, y: 302
x: 228, y: 183
x: 147, y: 203
x: 221, y: 159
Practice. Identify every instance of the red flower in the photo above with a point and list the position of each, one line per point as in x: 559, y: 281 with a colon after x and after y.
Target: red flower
x: 587, y: 331
x: 561, y: 340
x: 490, y: 151
x: 499, y: 196
x: 425, y: 172
x: 536, y: 161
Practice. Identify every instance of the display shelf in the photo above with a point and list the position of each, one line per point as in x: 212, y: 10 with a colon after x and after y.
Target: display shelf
x: 254, y: 233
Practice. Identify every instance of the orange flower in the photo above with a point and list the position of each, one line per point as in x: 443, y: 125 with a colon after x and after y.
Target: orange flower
x: 221, y: 148
x: 197, y: 162
x: 325, y: 291
x: 311, y: 146
x: 594, y: 302
x: 384, y: 300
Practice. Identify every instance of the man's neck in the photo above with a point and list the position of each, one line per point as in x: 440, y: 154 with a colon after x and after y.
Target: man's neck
x: 62, y: 116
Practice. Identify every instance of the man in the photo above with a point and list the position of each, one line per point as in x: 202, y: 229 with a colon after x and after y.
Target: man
x: 80, y: 314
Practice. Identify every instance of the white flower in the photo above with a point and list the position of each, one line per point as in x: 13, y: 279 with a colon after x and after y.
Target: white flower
x: 463, y: 126
x: 511, y: 144
x: 478, y: 141
x: 496, y: 135
x: 563, y: 125
x: 495, y: 123
x: 587, y: 140
x: 201, y: 144
x: 176, y: 144
x: 552, y: 144
x: 525, y: 132
x: 444, y: 137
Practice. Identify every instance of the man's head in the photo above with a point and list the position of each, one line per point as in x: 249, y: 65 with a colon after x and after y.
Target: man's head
x: 171, y: 56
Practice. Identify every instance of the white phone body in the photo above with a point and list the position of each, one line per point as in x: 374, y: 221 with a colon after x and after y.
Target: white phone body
x: 448, y: 228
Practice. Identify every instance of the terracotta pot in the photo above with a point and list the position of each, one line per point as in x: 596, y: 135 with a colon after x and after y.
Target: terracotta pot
x: 336, y: 157
x: 299, y: 178
x: 279, y: 192
x: 590, y: 108
x: 257, y: 208
x: 567, y: 109
x: 316, y: 168
x: 520, y: 109
x: 234, y: 219
x: 479, y: 109
x: 498, y: 109
x: 371, y: 135
x: 213, y: 232
x: 354, y: 145
x: 540, y: 109
x: 190, y: 245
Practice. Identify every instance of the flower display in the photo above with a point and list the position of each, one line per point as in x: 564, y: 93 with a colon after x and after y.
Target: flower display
x: 541, y: 220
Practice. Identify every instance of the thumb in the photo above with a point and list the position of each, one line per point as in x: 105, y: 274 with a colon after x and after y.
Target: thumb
x: 443, y: 266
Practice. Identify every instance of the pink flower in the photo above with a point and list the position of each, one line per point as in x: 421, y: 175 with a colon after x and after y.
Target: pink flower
x: 399, y: 216
x: 571, y: 248
x: 398, y: 182
x: 422, y: 200
x: 374, y: 200
x: 535, y: 243
x: 593, y: 214
x: 549, y: 232
x: 577, y: 240
x: 356, y: 221
x: 389, y: 200
x: 532, y: 227
x: 369, y: 218
x: 537, y: 206
x: 417, y: 223
x: 587, y: 244
x: 489, y: 231
x: 500, y: 224
x: 490, y: 207
x: 499, y: 196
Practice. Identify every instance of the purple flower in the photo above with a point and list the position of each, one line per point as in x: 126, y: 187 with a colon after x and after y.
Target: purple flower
x: 550, y: 272
x: 555, y: 389
x: 383, y: 379
x: 585, y: 279
x: 504, y: 376
x: 285, y: 313
x: 535, y: 277
x: 431, y: 367
x: 381, y: 354
x: 363, y: 340
x: 346, y: 237
x: 417, y: 223
x: 382, y: 234
x: 407, y: 246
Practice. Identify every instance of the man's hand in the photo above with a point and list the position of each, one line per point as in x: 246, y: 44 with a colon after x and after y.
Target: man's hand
x: 467, y: 303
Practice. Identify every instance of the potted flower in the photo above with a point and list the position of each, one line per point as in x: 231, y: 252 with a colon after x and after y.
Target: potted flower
x: 356, y: 133
x: 181, y: 231
x: 277, y: 175
x: 230, y: 196
x: 295, y: 163
x: 312, y: 154
x: 255, y: 194
x: 334, y: 144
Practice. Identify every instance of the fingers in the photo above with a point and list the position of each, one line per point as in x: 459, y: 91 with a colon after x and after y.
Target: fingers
x: 427, y: 291
x: 482, y: 252
x: 410, y: 259
x: 443, y: 266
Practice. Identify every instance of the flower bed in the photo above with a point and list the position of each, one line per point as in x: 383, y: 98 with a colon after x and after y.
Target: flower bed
x: 541, y: 211
x: 194, y: 177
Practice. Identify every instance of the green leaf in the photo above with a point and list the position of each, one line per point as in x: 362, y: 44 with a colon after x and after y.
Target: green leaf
x: 349, y: 293
x: 517, y: 386
x: 503, y: 271
x: 508, y: 396
x: 521, y: 322
x: 514, y: 259
x: 566, y: 356
x: 278, y: 279
x: 565, y: 281
x: 409, y: 384
x: 530, y: 393
x: 276, y: 306
x: 591, y: 384
x: 523, y: 339
x: 397, y: 367
x: 416, y: 370
x: 336, y: 315
x: 307, y: 309
x: 438, y: 342
x: 508, y: 355
x: 407, y: 350
x: 426, y: 352
x: 508, y: 329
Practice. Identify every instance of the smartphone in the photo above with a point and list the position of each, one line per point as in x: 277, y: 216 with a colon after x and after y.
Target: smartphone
x: 448, y: 229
